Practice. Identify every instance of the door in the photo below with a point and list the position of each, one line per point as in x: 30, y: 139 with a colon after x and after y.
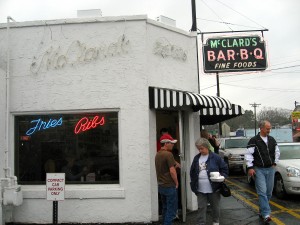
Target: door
x: 173, y: 121
x: 183, y: 166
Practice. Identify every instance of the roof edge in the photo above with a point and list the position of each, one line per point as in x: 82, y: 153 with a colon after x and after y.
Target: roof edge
x: 102, y: 19
x: 73, y: 21
x: 169, y: 27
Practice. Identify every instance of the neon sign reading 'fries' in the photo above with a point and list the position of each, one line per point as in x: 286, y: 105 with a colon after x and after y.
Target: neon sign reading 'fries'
x: 39, y: 124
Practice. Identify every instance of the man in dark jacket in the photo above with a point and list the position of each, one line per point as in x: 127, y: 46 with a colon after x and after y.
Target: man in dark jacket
x: 261, y: 157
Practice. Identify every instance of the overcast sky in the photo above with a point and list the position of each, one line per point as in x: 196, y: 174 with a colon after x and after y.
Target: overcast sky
x: 278, y: 86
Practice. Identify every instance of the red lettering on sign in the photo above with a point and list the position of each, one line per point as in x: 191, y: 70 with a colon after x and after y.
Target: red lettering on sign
x: 211, y: 56
x: 230, y: 54
x: 258, y: 54
x: 244, y: 54
x: 85, y: 124
x: 221, y: 56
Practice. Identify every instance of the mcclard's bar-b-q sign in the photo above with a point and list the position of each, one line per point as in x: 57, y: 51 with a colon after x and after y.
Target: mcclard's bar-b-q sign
x: 232, y: 54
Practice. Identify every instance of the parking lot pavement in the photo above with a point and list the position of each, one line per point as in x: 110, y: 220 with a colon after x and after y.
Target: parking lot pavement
x: 233, y: 212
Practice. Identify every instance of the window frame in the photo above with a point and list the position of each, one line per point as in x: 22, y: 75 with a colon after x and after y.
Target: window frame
x: 87, y: 186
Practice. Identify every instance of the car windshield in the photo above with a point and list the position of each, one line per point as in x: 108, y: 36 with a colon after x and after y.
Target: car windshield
x: 289, y: 151
x: 236, y: 143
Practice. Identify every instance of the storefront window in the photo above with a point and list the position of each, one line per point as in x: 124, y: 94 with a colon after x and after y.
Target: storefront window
x: 83, y: 146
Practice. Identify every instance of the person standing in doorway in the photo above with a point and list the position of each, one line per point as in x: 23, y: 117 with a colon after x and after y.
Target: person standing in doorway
x: 158, y: 147
x: 214, y: 142
x: 261, y: 156
x: 165, y: 165
x: 161, y: 133
x: 205, y: 134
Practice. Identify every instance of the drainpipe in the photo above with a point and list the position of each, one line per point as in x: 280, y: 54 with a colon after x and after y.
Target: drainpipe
x: 6, y: 168
x: 7, y: 181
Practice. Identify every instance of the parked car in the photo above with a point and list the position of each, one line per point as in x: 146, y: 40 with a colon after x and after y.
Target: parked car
x: 232, y: 150
x: 287, y: 175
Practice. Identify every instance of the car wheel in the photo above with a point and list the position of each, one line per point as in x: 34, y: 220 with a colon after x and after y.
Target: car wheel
x: 250, y: 180
x: 279, y: 187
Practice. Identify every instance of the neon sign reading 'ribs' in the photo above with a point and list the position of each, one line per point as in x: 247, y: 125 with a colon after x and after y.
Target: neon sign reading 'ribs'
x: 85, y: 124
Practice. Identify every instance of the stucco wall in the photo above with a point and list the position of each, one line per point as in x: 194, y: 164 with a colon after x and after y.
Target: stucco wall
x: 172, y: 63
x: 55, y: 68
x: 172, y: 58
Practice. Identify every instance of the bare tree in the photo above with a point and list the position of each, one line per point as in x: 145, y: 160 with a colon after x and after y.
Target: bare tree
x: 277, y: 116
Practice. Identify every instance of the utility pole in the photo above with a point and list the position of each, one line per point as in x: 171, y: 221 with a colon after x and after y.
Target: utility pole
x: 254, y: 105
x: 194, y: 29
x: 218, y: 94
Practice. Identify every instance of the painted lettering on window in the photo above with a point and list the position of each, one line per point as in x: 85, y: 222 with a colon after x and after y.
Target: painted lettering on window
x: 39, y: 125
x: 85, y: 124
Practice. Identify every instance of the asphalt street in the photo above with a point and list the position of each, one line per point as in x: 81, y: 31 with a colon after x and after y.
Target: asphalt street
x: 233, y: 212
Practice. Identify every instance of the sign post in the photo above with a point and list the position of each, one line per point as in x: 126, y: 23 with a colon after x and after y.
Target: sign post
x: 55, y: 188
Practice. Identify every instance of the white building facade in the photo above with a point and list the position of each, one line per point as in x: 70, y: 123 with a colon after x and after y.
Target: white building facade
x: 76, y: 95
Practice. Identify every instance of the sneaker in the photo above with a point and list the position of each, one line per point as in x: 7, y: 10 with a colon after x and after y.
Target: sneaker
x: 267, y: 219
x: 214, y: 223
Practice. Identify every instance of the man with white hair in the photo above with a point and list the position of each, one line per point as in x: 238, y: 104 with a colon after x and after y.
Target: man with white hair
x: 262, y: 155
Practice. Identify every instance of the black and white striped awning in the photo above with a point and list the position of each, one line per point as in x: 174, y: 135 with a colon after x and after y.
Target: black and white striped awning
x: 209, y: 116
x: 211, y: 109
x: 161, y: 98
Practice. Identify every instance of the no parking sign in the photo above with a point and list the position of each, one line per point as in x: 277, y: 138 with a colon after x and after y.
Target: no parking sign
x: 55, y: 186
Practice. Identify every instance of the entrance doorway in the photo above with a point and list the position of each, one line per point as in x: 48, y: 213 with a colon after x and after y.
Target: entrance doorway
x: 172, y: 121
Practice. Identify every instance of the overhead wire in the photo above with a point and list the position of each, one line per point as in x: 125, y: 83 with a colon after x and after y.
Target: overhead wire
x: 240, y: 13
x: 263, y: 88
x: 251, y: 78
x: 223, y: 22
x: 271, y: 70
x: 228, y: 23
x: 216, y: 14
x: 258, y: 72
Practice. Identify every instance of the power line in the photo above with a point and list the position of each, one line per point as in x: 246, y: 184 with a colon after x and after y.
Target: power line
x: 287, y: 67
x: 216, y: 14
x: 269, y: 70
x: 254, y: 77
x: 208, y: 87
x: 264, y: 88
x: 223, y: 22
x: 240, y: 14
